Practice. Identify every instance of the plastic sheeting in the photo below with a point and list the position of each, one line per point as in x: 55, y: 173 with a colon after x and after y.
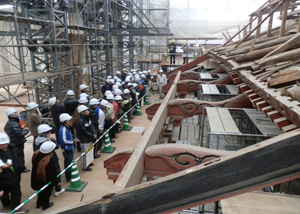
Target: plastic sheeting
x: 209, y: 18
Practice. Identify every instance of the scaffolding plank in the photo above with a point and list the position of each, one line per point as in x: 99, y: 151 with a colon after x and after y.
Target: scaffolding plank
x: 213, y: 89
x: 214, y: 119
x: 232, y: 89
x: 227, y: 121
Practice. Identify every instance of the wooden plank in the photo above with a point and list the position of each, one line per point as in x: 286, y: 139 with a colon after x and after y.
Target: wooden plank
x: 232, y: 89
x: 184, y: 132
x: 214, y: 119
x: 205, y: 89
x: 284, y: 78
x: 261, y: 203
x: 134, y: 169
x: 243, y: 171
x: 227, y: 121
x: 222, y: 75
x: 213, y: 89
x: 191, y: 133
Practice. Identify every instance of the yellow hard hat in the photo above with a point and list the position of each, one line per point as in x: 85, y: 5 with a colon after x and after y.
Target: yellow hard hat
x: 172, y: 41
x: 184, y: 42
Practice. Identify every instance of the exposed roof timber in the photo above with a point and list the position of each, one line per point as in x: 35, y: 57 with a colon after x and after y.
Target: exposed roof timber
x: 268, y: 8
x: 228, y: 176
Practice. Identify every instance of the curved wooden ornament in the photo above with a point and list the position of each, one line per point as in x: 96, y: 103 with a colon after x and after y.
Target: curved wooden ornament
x: 151, y: 110
x: 218, y: 70
x: 189, y: 86
x: 187, y: 75
x: 115, y: 164
x: 183, y: 108
x: 166, y: 159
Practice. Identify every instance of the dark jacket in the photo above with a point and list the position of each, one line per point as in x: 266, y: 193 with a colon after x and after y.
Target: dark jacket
x: 56, y: 110
x: 10, y: 176
x: 50, y: 169
x: 172, y: 48
x: 84, y: 129
x: 94, y: 119
x: 15, y: 132
x: 70, y: 105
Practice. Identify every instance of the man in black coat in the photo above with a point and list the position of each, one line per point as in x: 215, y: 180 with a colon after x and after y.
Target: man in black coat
x: 10, y: 178
x: 56, y: 110
x: 16, y: 133
x: 70, y: 103
x: 85, y: 133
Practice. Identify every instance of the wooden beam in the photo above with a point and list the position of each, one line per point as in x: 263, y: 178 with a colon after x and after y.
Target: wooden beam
x: 269, y: 32
x: 283, y: 21
x: 291, y: 43
x: 134, y: 168
x: 284, y: 79
x: 267, y: 163
x: 259, y: 24
x: 249, y: 24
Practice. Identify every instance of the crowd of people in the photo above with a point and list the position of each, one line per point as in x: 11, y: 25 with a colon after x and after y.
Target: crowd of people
x: 77, y: 124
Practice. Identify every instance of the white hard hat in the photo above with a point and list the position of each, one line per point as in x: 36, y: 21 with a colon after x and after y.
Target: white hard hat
x: 126, y: 91
x: 127, y: 79
x: 118, y: 80
x: 118, y: 72
x: 83, y: 100
x: 52, y: 101
x: 70, y: 93
x: 135, y: 85
x: 145, y: 72
x: 107, y: 92
x: 117, y: 92
x: 111, y: 81
x: 94, y: 101
x: 160, y: 71
x: 118, y: 84
x: 110, y: 97
x: 81, y: 108
x: 83, y: 95
x: 108, y: 77
x: 143, y: 76
x: 47, y: 147
x: 118, y: 97
x: 32, y: 105
x: 82, y: 87
x: 43, y: 128
x: 4, y: 139
x: 115, y: 87
x: 10, y: 111
x: 64, y: 117
x: 129, y: 84
x: 104, y: 103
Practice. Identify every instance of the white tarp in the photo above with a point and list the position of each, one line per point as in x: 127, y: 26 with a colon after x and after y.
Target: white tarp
x: 209, y: 18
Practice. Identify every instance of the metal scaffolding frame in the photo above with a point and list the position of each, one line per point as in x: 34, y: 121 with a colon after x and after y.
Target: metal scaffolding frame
x: 67, y: 38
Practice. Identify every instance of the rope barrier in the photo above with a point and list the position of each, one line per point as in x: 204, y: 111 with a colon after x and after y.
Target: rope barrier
x: 80, y: 156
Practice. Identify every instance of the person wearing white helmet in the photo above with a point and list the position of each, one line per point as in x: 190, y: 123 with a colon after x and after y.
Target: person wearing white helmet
x: 109, y: 116
x: 34, y: 119
x: 172, y: 51
x: 161, y: 81
x: 133, y: 96
x: 83, y: 101
x: 44, y: 131
x: 16, y: 133
x: 115, y: 87
x: 66, y: 140
x: 118, y: 74
x: 186, y: 50
x: 119, y: 101
x: 127, y: 103
x: 56, y: 109
x: 84, y: 88
x: 70, y: 102
x: 44, y: 171
x: 107, y: 86
x: 93, y: 105
x: 85, y: 134
x: 111, y: 99
x: 10, y: 178
x: 118, y: 92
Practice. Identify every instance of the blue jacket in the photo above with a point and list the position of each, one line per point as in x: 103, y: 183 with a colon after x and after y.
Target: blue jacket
x: 65, y: 138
